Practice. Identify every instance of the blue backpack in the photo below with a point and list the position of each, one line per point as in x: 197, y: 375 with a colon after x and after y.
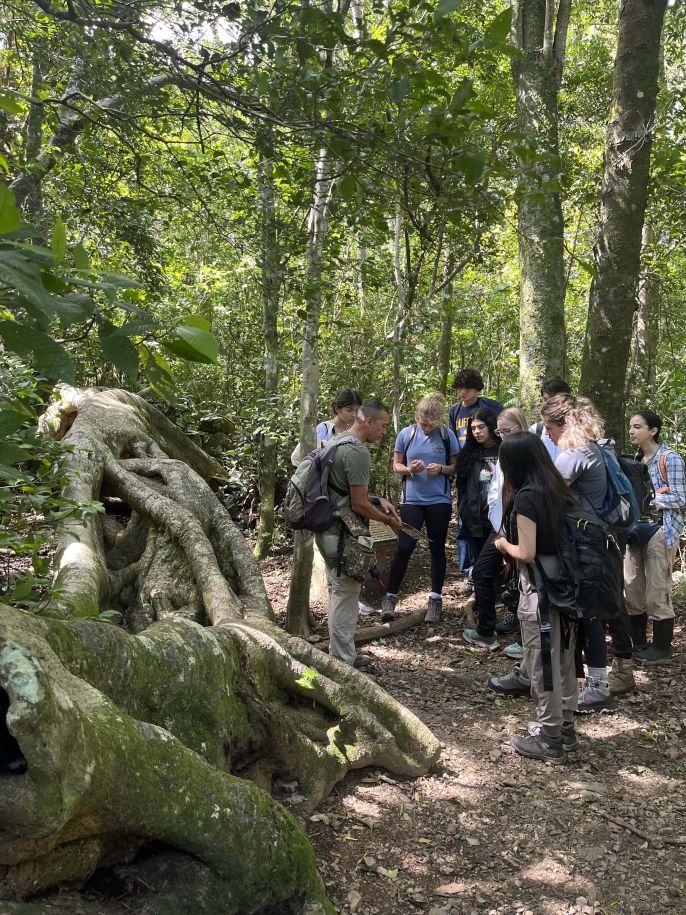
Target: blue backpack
x: 620, y: 510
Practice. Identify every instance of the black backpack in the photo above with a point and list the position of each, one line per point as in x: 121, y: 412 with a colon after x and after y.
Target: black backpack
x: 638, y: 475
x: 589, y: 585
x: 307, y: 505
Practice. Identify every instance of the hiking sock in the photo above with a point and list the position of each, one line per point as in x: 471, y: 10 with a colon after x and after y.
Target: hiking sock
x: 435, y: 595
x: 598, y: 673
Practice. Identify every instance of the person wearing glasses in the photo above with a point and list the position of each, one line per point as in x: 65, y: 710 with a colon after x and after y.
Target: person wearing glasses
x: 490, y: 563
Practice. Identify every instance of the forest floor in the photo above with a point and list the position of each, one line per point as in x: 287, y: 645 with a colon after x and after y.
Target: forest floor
x: 490, y: 832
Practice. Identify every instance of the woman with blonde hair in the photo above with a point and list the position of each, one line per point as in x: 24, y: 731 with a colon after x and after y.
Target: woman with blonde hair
x: 574, y: 424
x: 489, y: 563
x: 425, y: 456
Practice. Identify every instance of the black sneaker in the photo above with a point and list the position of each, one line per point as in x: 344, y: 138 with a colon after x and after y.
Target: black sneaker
x: 509, y: 623
x: 547, y: 749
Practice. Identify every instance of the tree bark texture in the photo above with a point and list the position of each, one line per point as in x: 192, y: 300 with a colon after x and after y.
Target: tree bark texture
x: 445, y: 346
x: 539, y: 208
x: 612, y: 300
x: 271, y: 283
x: 170, y: 728
x: 299, y: 592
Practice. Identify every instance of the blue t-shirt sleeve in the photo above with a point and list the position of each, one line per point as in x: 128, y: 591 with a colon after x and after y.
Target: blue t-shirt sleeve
x: 400, y: 440
x: 322, y: 432
x: 454, y: 447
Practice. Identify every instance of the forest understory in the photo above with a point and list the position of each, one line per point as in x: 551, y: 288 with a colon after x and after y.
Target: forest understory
x: 486, y: 831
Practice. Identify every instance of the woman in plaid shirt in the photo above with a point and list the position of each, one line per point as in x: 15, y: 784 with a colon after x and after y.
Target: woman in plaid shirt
x: 648, y: 564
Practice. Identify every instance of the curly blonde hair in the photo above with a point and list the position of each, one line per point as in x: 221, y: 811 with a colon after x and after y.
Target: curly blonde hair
x: 581, y: 421
x: 431, y: 409
x: 515, y: 415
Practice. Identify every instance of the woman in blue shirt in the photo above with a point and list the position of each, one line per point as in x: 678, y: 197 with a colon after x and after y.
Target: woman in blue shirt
x: 425, y: 456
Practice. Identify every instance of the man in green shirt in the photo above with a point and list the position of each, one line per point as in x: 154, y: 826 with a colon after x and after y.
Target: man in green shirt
x: 349, y: 473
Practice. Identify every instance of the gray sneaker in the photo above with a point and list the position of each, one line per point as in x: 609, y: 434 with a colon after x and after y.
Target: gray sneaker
x: 388, y: 608
x: 474, y: 637
x: 569, y: 739
x: 364, y: 609
x: 547, y: 749
x: 514, y: 651
x: 433, y: 614
x: 595, y: 696
x: 516, y: 683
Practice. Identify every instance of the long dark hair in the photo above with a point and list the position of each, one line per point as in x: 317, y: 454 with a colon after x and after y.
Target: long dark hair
x: 654, y: 422
x: 471, y: 449
x: 525, y: 461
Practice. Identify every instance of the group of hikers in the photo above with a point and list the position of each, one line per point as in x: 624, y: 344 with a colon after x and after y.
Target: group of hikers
x: 516, y: 485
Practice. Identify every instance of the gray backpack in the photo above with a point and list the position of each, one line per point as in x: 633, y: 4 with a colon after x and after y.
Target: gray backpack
x: 307, y: 505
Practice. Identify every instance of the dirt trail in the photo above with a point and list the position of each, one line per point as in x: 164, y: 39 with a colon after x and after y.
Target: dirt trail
x: 490, y: 832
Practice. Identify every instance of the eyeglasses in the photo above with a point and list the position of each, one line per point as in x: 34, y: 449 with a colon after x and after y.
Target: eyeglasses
x: 503, y: 433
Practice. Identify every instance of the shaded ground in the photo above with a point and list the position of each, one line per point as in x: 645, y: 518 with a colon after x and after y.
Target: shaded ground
x: 490, y: 832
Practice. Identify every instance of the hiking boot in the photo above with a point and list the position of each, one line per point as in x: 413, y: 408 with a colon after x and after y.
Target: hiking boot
x: 388, y: 608
x: 509, y: 623
x: 660, y: 652
x: 621, y: 679
x: 595, y: 696
x: 570, y: 741
x: 361, y: 662
x: 515, y: 651
x: 433, y: 614
x: 474, y: 637
x: 540, y: 746
x: 365, y: 610
x: 515, y: 683
x: 464, y: 587
x: 639, y: 625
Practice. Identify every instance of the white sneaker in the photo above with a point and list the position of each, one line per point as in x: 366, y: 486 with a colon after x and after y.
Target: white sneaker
x: 365, y: 610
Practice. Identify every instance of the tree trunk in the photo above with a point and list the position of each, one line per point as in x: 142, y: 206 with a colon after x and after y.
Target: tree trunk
x: 445, y: 346
x: 271, y: 283
x: 612, y: 300
x: 400, y: 316
x: 646, y: 334
x: 540, y: 224
x: 299, y: 593
x: 116, y: 739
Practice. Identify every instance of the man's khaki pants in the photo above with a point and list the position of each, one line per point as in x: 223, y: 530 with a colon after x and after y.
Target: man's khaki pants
x: 344, y: 597
x: 648, y: 578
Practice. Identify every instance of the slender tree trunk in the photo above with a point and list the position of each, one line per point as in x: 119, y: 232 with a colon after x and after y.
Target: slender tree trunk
x: 400, y: 317
x: 646, y: 335
x: 299, y: 593
x: 612, y: 300
x: 271, y: 283
x: 445, y: 346
x: 536, y: 74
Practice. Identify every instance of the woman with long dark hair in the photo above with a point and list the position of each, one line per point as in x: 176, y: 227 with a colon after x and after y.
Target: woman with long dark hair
x: 476, y: 464
x: 648, y: 561
x: 535, y: 503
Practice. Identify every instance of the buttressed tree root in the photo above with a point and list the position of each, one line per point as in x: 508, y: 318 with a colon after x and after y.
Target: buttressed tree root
x: 174, y: 726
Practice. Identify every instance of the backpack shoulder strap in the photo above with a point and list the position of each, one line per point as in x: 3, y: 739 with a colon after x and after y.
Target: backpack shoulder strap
x: 407, y: 443
x: 539, y: 428
x: 662, y: 468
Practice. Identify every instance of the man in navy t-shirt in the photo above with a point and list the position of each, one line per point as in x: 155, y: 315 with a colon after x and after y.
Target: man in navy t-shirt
x: 468, y: 384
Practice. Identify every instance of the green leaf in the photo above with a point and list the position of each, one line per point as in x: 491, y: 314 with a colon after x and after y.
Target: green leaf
x: 22, y: 588
x: 347, y: 186
x: 49, y: 358
x: 158, y: 374
x: 197, y: 321
x: 58, y: 242
x: 10, y: 217
x: 73, y: 308
x: 471, y: 164
x: 13, y: 454
x: 13, y: 418
x: 400, y: 89
x: 121, y: 352
x: 445, y: 7
x: 3, y: 164
x: 18, y: 272
x: 194, y: 344
x: 498, y: 30
x: 9, y: 104
x: 462, y: 93
x: 80, y: 255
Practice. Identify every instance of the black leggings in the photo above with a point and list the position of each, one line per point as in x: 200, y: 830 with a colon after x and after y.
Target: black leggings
x: 591, y: 640
x: 437, y: 518
x: 487, y: 568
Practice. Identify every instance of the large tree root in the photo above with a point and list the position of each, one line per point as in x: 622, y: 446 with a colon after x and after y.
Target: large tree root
x: 168, y: 730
